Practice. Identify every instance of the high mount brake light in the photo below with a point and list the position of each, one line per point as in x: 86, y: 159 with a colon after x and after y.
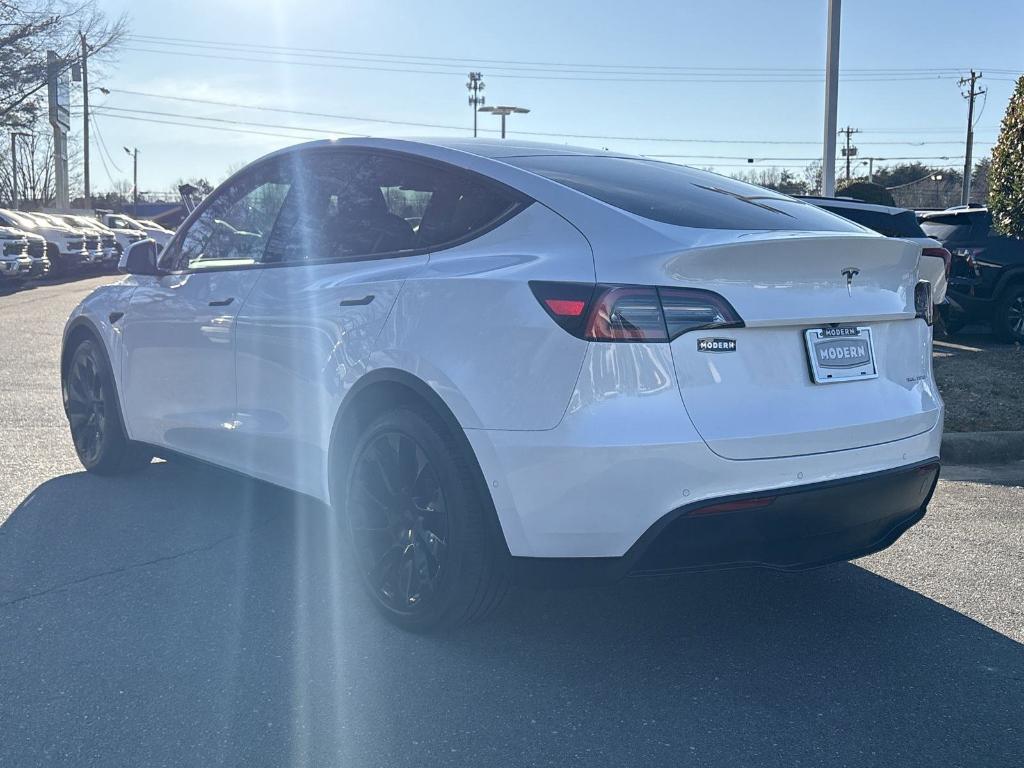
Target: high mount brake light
x: 633, y: 312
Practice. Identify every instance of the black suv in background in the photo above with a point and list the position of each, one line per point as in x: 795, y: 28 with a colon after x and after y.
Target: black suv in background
x: 986, y: 279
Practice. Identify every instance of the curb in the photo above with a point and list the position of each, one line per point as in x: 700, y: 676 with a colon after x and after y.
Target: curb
x: 982, y: 447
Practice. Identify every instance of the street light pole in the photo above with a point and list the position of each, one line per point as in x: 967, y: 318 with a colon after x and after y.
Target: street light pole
x: 504, y: 112
x: 134, y: 153
x: 828, y: 154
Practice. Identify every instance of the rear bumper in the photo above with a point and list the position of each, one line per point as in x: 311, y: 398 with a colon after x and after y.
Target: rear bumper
x: 789, y: 529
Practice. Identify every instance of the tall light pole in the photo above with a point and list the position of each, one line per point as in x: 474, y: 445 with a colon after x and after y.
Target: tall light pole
x: 504, y: 112
x: 828, y: 153
x: 14, y: 165
x: 134, y: 154
x: 937, y: 178
x: 475, y: 85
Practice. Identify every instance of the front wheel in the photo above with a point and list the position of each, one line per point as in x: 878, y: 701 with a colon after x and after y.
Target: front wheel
x: 1008, y: 322
x: 425, y: 540
x: 91, y: 405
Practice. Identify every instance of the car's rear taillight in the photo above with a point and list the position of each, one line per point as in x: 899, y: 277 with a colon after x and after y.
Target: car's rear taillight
x: 942, y: 253
x: 633, y: 312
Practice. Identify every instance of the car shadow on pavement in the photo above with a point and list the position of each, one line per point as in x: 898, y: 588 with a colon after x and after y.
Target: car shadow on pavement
x: 184, y: 616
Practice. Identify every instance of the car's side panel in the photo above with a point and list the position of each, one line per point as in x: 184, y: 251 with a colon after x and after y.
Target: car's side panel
x: 303, y: 338
x: 469, y: 325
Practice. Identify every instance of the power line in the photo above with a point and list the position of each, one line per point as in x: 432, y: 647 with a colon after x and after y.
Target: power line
x: 461, y: 62
x: 691, y: 78
x: 444, y: 126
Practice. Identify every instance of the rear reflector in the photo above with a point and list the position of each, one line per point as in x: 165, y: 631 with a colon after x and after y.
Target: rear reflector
x: 732, y: 506
x: 633, y: 312
x: 566, y: 307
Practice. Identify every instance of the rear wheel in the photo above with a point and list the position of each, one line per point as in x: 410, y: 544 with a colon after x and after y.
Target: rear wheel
x: 1008, y: 322
x: 425, y: 542
x: 91, y: 405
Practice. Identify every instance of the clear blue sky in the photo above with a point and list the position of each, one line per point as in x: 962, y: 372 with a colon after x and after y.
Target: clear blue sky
x: 751, y: 41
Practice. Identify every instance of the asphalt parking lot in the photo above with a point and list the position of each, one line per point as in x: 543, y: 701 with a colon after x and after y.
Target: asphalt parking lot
x: 184, y: 616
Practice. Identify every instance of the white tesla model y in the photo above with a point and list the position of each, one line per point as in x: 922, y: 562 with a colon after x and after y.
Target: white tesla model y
x: 498, y: 359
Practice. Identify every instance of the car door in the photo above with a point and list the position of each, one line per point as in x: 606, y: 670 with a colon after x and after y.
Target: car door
x: 179, y: 357
x: 346, y: 240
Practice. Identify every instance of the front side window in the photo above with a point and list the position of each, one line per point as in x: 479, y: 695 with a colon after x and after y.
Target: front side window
x: 235, y: 227
x: 675, y: 194
x: 352, y: 205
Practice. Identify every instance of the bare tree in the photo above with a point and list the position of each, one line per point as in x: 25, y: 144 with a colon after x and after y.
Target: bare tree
x: 30, y: 28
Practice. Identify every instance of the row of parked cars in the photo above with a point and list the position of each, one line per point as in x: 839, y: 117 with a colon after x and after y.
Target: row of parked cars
x: 976, y: 274
x: 34, y: 244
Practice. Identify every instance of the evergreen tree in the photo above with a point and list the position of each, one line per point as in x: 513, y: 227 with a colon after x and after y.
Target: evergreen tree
x: 1006, y: 177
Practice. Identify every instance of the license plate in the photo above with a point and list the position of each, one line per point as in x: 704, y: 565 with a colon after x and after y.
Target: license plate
x: 841, y: 353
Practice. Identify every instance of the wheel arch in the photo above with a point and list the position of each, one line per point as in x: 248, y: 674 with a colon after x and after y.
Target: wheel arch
x: 385, y: 388
x: 77, y: 331
x: 1012, y: 277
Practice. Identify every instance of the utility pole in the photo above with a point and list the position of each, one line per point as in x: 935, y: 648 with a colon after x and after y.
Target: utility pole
x: 134, y: 154
x: 971, y: 95
x: 14, y: 170
x: 828, y: 154
x: 85, y: 118
x: 849, y: 151
x: 475, y: 85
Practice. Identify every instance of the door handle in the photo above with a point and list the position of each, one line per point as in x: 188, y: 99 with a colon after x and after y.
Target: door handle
x: 222, y: 302
x: 357, y: 302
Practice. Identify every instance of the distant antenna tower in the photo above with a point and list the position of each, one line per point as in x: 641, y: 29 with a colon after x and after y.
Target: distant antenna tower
x: 475, y: 85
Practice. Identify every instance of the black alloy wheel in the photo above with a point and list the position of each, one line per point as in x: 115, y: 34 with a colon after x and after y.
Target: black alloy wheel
x: 90, y: 402
x: 86, y: 404
x: 399, y: 522
x: 423, y: 529
x: 1009, y: 317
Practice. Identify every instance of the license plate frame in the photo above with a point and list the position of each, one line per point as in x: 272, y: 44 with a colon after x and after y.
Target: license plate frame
x: 840, y: 366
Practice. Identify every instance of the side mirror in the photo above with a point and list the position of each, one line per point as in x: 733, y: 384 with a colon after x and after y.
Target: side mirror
x: 139, y: 258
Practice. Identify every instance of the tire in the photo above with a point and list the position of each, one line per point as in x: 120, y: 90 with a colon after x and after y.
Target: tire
x: 1008, y: 320
x: 424, y: 536
x: 952, y: 322
x: 58, y: 266
x: 94, y: 416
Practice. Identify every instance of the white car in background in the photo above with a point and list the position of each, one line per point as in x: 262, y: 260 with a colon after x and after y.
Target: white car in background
x: 498, y: 359
x: 108, y: 250
x: 123, y: 223
x: 65, y: 245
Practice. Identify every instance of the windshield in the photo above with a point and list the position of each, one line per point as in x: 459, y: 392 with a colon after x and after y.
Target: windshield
x: 675, y: 194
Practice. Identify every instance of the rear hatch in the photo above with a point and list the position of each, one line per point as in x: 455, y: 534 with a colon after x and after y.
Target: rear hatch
x: 758, y: 398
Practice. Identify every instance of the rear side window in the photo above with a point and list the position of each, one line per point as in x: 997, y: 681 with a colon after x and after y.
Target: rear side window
x: 675, y: 194
x: 352, y: 205
x: 902, y: 224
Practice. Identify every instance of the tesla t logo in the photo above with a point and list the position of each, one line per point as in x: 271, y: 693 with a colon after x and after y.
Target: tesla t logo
x: 849, y: 273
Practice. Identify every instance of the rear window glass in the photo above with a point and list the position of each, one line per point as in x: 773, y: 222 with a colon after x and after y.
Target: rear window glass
x: 675, y: 194
x: 902, y: 224
x: 958, y: 226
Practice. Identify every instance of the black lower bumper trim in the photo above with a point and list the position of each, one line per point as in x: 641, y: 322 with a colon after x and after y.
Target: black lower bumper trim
x: 789, y: 529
